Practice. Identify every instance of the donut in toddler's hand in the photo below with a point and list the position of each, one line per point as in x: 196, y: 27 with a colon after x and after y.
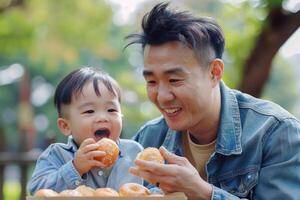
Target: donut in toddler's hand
x: 133, y: 190
x: 111, y: 149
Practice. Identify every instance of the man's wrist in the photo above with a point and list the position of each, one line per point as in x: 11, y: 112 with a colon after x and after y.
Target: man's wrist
x: 205, y: 192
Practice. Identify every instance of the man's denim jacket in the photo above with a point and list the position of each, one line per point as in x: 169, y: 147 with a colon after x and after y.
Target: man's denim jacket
x: 55, y: 169
x: 257, y: 153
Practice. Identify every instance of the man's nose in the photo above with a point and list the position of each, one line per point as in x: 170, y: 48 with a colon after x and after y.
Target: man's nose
x: 164, y: 94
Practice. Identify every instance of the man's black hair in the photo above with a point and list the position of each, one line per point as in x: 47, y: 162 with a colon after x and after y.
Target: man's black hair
x: 161, y: 25
x: 74, y: 82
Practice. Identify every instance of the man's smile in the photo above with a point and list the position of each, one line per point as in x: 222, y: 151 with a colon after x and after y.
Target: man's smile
x: 171, y: 112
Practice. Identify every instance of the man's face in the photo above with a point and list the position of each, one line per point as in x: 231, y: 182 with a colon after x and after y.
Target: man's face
x: 92, y: 116
x: 178, y: 85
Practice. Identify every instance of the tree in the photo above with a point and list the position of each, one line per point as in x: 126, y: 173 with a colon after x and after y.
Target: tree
x: 282, y: 87
x: 9, y: 4
x: 278, y: 27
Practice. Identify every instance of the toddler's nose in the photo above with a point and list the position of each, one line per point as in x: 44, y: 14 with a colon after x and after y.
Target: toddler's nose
x: 101, y: 117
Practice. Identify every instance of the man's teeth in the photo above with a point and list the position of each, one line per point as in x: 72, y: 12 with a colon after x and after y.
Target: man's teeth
x: 173, y: 110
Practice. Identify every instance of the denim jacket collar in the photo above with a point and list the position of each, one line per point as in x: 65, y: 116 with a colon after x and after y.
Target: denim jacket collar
x: 230, y: 130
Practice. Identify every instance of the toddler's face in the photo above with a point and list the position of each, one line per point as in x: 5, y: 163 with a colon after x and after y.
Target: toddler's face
x: 92, y: 116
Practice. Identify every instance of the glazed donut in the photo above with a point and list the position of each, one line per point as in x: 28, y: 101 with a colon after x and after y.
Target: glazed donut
x: 107, y: 192
x: 156, y: 195
x: 70, y: 193
x: 85, y: 190
x: 111, y: 149
x: 133, y: 190
x: 151, y: 154
x: 45, y: 193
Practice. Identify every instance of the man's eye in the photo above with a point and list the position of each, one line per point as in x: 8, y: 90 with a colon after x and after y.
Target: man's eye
x: 174, y: 80
x: 150, y: 82
x: 88, y: 112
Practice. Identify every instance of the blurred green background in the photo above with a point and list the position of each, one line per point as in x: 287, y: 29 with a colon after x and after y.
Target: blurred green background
x: 43, y: 40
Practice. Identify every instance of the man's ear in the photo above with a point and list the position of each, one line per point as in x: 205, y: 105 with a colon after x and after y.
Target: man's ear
x: 63, y: 126
x: 216, y: 70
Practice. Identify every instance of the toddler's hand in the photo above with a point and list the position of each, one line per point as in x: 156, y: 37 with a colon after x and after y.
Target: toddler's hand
x: 84, y: 157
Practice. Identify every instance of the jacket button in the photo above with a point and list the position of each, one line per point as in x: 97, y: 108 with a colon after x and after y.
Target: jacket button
x: 100, y: 173
x: 77, y: 183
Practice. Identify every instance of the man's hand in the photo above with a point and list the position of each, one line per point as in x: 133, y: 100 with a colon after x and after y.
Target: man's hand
x: 84, y: 157
x: 177, y: 176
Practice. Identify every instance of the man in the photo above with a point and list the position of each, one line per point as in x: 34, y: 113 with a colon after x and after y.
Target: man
x: 219, y: 143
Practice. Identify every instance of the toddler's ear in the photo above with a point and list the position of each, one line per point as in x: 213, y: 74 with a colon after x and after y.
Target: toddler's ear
x: 64, y: 127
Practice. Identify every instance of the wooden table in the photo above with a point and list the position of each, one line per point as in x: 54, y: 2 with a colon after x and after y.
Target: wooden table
x: 23, y: 160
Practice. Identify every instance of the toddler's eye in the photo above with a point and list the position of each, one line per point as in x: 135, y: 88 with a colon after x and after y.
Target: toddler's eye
x: 112, y: 110
x: 88, y: 112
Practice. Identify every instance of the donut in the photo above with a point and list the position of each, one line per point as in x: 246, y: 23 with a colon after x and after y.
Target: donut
x: 45, y: 193
x: 133, y: 190
x: 151, y: 154
x: 111, y: 149
x: 70, y: 193
x: 156, y: 195
x: 85, y: 190
x: 107, y: 192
